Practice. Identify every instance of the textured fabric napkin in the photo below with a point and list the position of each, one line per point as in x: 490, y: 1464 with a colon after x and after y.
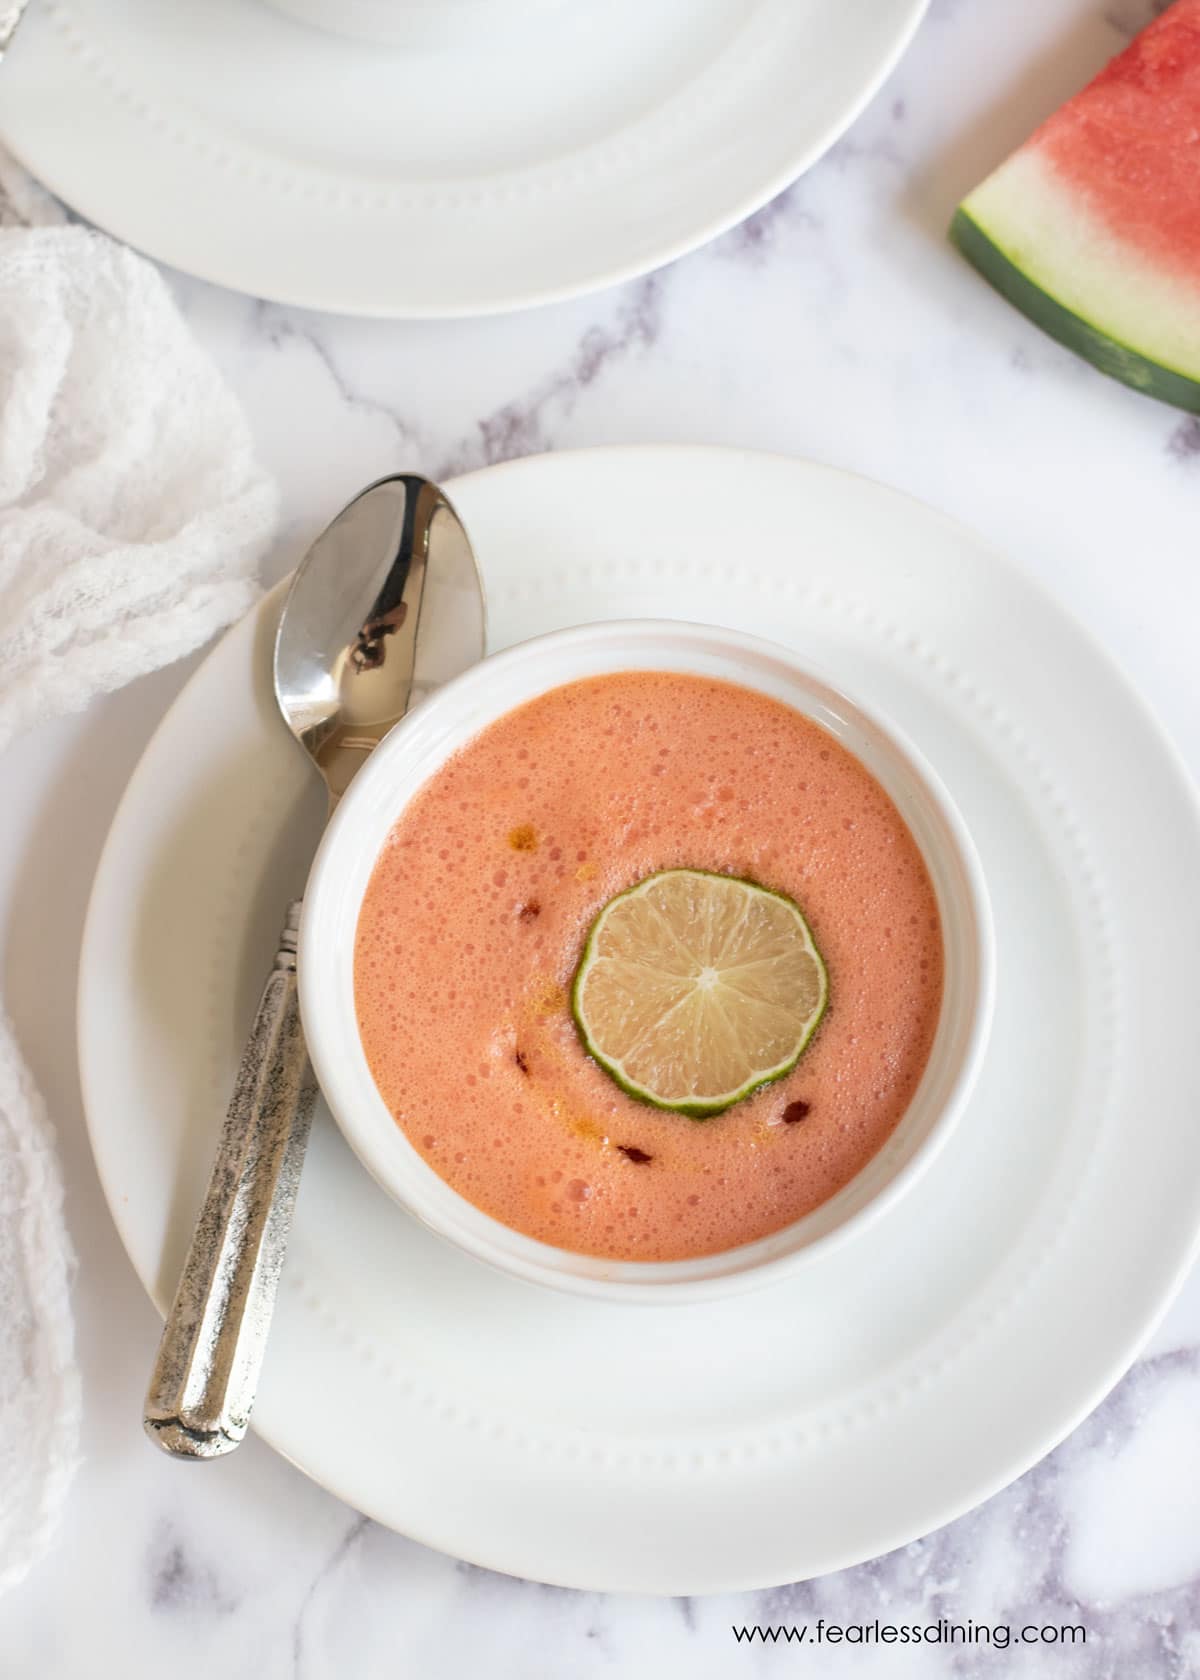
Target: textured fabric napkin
x: 132, y: 518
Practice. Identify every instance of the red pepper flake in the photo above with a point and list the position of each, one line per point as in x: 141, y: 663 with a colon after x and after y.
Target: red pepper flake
x: 529, y: 912
x: 798, y: 1110
x: 639, y: 1157
x: 522, y: 1061
x: 523, y: 839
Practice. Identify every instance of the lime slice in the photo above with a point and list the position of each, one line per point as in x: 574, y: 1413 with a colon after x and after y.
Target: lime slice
x: 694, y: 989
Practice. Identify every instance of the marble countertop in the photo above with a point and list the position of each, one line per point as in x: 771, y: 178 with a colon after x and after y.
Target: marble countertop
x: 835, y: 324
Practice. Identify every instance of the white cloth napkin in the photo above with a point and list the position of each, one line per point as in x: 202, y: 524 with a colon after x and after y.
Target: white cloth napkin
x: 132, y: 518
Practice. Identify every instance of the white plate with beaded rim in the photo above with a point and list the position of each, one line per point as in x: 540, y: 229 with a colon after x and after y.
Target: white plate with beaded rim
x: 895, y: 1382
x: 555, y: 153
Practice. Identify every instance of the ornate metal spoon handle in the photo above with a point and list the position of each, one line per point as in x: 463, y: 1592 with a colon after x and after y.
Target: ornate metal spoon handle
x: 202, y: 1388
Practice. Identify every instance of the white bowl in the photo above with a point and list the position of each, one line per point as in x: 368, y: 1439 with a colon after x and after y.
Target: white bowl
x: 415, y: 750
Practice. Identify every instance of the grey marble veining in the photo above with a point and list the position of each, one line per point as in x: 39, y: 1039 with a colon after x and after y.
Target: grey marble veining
x: 836, y: 323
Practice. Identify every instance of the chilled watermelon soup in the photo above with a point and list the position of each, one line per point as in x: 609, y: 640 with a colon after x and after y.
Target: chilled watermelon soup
x: 478, y: 910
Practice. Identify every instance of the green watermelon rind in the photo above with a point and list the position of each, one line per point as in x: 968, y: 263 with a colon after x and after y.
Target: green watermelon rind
x: 1109, y: 355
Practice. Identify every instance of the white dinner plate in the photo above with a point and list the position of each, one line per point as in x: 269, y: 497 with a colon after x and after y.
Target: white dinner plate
x: 534, y: 161
x: 896, y: 1381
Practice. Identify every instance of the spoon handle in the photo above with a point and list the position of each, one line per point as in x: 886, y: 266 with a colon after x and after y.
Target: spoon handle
x: 206, y: 1373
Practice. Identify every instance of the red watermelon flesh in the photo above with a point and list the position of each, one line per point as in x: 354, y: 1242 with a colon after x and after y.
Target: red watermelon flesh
x: 1131, y: 140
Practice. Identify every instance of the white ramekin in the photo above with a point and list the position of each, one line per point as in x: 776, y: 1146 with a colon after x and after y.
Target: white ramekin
x: 410, y: 755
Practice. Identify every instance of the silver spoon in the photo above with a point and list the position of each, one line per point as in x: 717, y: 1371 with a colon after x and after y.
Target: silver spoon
x: 386, y: 605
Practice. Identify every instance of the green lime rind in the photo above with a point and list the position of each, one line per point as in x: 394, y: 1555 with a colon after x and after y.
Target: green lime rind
x: 1107, y: 354
x: 716, y: 1105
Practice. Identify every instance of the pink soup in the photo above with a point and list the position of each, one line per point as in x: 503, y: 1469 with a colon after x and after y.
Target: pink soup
x: 475, y: 918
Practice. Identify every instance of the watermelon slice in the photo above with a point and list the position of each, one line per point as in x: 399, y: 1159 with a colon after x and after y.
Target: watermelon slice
x: 1092, y: 228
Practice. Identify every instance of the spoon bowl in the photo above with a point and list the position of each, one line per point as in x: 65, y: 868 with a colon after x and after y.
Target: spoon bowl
x: 386, y: 606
